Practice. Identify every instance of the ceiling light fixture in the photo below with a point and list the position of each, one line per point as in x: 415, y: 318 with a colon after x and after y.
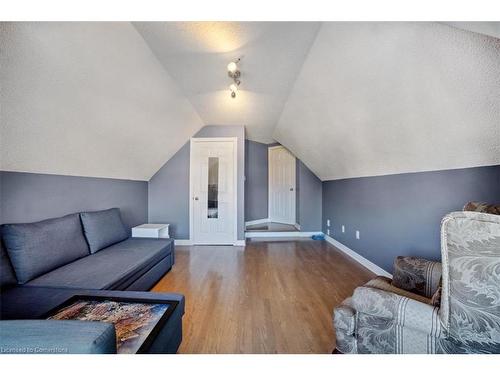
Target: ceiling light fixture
x: 232, y: 67
x: 233, y: 87
x: 234, y: 73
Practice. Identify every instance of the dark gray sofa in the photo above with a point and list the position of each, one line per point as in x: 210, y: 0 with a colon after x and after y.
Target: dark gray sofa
x: 132, y: 264
x: 90, y: 250
x: 43, y: 264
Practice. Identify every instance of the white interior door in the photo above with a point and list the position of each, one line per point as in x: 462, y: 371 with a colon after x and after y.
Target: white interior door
x: 281, y: 185
x: 213, y: 191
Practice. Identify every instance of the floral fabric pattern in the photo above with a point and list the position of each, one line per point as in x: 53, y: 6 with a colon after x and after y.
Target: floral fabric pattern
x: 344, y: 320
x: 471, y: 281
x: 384, y: 283
x: 417, y: 275
x: 468, y: 318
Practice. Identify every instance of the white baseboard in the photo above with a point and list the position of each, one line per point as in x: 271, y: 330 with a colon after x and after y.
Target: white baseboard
x: 255, y: 222
x: 183, y: 242
x: 358, y: 258
x: 189, y: 242
x: 279, y: 234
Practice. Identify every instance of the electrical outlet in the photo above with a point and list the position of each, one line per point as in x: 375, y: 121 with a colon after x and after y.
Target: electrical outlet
x: 328, y: 223
x: 328, y: 232
x: 343, y: 229
x: 357, y: 234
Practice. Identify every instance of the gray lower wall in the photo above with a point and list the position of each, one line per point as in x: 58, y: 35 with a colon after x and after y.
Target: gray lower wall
x: 27, y: 197
x: 309, y: 199
x: 401, y: 214
x: 169, y: 194
x: 169, y: 187
x: 256, y: 180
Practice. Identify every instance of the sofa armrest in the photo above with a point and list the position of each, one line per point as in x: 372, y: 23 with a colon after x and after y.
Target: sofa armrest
x: 417, y: 275
x: 404, y: 311
x: 56, y: 337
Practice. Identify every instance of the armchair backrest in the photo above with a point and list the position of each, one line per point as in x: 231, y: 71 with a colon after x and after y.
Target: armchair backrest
x: 470, y: 305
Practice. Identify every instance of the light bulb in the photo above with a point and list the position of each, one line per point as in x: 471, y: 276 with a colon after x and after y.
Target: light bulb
x: 233, y: 87
x: 232, y: 67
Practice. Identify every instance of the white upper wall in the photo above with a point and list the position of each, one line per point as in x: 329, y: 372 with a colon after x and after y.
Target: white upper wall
x: 96, y: 99
x: 87, y: 99
x: 384, y: 98
x: 486, y: 28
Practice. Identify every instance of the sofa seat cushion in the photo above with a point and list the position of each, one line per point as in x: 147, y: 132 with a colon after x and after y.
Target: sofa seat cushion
x: 103, y: 228
x: 37, y: 248
x: 112, y: 268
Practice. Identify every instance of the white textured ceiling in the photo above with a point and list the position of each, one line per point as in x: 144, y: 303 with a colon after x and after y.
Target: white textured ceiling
x: 87, y: 99
x: 349, y: 99
x: 384, y: 98
x: 486, y: 28
x: 196, y: 54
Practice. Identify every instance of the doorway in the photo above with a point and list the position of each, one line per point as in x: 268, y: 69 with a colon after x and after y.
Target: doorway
x: 213, y: 173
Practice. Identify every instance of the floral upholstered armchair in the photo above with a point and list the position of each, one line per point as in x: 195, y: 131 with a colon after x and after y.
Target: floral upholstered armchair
x: 413, y: 313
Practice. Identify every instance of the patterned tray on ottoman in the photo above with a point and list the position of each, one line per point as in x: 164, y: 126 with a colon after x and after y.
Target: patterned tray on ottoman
x: 136, y: 321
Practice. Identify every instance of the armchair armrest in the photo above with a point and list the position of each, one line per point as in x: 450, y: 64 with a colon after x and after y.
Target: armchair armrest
x: 344, y: 317
x: 403, y: 311
x: 384, y: 283
x: 417, y: 275
x: 56, y: 337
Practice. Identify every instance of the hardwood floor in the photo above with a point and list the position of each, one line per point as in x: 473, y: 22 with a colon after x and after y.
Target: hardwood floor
x: 269, y: 297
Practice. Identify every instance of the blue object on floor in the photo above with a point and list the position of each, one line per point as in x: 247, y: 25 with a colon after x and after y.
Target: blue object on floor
x: 318, y: 237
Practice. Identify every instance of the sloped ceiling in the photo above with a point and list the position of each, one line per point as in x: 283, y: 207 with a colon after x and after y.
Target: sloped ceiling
x: 349, y: 99
x: 87, y: 99
x: 196, y: 55
x: 485, y: 28
x: 384, y: 98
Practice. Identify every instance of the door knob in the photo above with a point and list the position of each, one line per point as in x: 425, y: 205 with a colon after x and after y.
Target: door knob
x: 291, y: 189
x: 195, y: 198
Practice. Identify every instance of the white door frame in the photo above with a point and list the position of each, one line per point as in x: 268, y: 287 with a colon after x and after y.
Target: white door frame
x: 269, y: 185
x: 235, y: 185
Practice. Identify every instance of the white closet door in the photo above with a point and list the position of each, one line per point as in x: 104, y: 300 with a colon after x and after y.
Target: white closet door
x: 281, y: 185
x: 213, y: 191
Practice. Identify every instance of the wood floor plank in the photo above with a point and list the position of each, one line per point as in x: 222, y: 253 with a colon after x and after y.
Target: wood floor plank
x: 267, y: 297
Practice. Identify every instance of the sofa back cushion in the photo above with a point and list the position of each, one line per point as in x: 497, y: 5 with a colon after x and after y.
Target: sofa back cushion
x: 103, y: 228
x: 37, y: 248
x: 7, y: 276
